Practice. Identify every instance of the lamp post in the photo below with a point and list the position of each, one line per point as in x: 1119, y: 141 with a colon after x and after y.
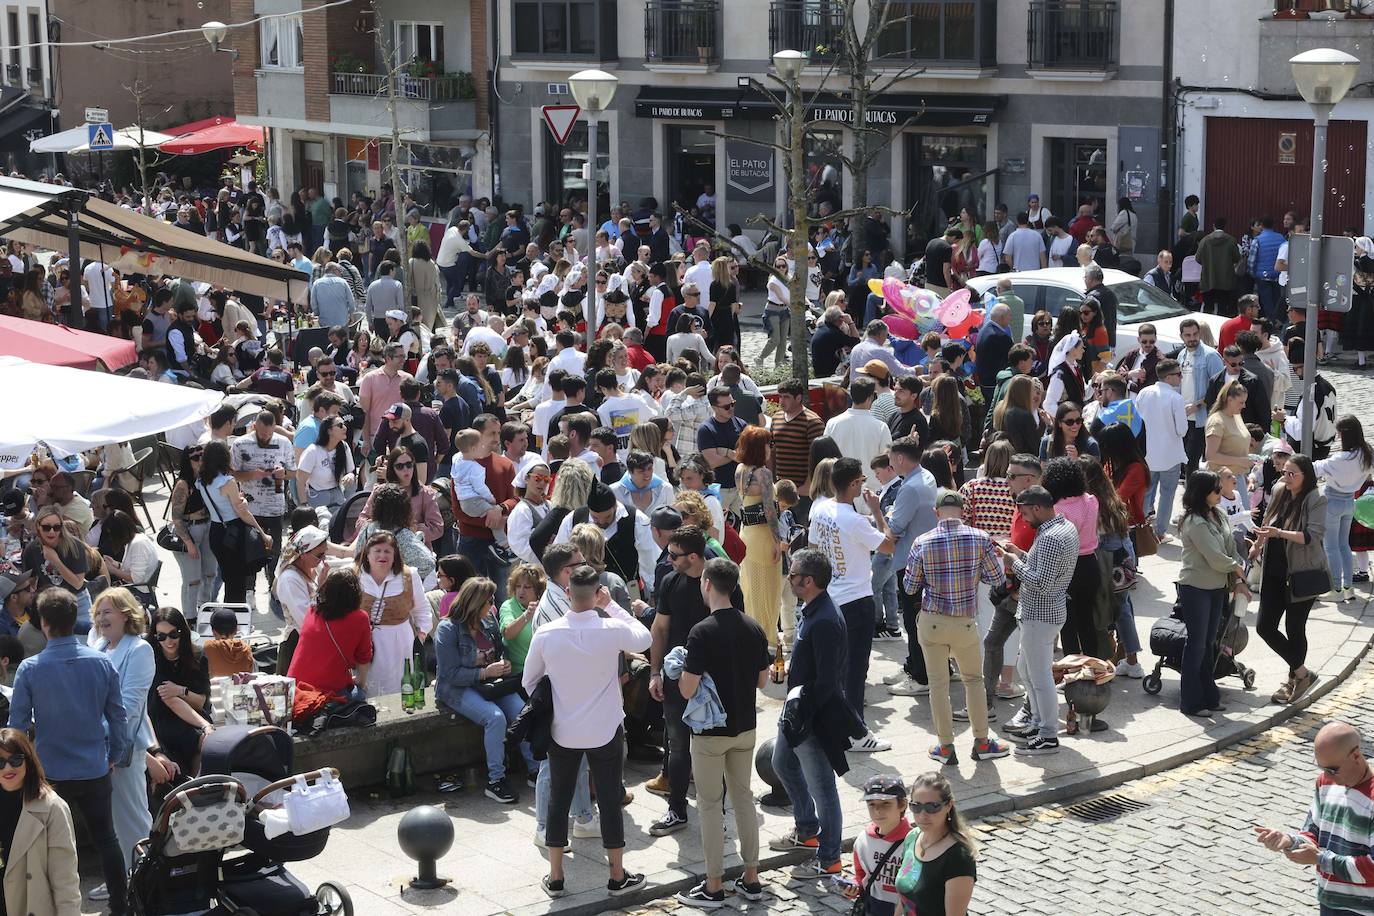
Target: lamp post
x: 1323, y: 76
x: 593, y: 90
x: 788, y: 65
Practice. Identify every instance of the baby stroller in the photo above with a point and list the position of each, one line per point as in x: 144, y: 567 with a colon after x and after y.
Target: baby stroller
x: 254, y: 766
x: 1169, y: 636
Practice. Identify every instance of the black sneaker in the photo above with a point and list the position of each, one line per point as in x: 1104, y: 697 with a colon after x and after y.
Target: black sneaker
x: 748, y: 891
x: 671, y: 822
x: 503, y: 555
x: 631, y: 882
x: 551, y: 887
x: 499, y: 790
x: 703, y: 899
x: 1038, y: 745
x: 886, y: 634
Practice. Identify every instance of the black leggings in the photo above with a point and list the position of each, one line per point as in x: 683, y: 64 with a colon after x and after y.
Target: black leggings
x: 1080, y: 634
x: 232, y: 569
x: 1290, y: 646
x: 607, y: 766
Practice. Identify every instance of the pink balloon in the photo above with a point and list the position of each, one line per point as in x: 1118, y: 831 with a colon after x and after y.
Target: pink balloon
x: 902, y: 327
x: 904, y: 307
x: 961, y: 330
x: 892, y: 293
x: 954, y: 309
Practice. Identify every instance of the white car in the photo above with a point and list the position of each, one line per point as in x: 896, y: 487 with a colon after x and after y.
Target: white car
x: 1053, y: 288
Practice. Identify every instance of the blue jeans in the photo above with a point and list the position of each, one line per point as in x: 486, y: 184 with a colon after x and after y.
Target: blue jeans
x: 1166, y: 482
x: 1201, y: 611
x: 1271, y: 298
x: 1340, y: 510
x: 885, y: 575
x: 581, y: 810
x: 453, y: 280
x: 810, y: 783
x: 1125, y: 614
x: 478, y: 550
x: 493, y: 717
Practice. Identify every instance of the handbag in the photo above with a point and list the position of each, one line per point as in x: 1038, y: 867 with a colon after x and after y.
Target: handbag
x: 238, y: 538
x: 1146, y: 541
x: 168, y: 539
x: 311, y: 807
x: 498, y: 687
x: 860, y: 905
x: 1308, y: 584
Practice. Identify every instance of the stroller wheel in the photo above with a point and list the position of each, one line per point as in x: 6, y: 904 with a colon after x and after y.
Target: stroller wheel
x: 1152, y: 683
x: 1248, y: 678
x: 333, y: 900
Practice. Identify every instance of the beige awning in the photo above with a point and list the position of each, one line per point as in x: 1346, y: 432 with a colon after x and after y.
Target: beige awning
x: 38, y: 214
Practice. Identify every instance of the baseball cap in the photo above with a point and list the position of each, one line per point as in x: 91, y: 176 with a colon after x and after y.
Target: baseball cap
x: 397, y: 314
x: 949, y: 498
x: 11, y: 578
x: 883, y: 787
x: 1281, y: 447
x: 397, y: 411
x: 876, y: 368
x: 666, y: 518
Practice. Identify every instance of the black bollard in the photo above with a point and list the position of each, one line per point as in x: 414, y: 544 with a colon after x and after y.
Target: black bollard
x: 425, y: 834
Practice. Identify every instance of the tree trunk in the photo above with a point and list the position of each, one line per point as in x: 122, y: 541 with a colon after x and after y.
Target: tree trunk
x: 801, y: 233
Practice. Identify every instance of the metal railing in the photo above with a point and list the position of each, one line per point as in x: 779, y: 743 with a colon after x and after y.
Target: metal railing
x: 955, y: 33
x: 13, y: 74
x: 418, y: 88
x: 1073, y: 34
x: 813, y: 26
x: 35, y: 75
x: 682, y: 31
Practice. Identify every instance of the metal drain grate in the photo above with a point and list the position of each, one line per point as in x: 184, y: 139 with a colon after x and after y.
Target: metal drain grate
x: 1097, y: 810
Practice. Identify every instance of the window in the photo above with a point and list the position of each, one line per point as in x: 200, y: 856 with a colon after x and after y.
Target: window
x: 14, y: 39
x: 825, y: 168
x: 35, y: 46
x: 945, y: 173
x: 420, y: 41
x: 282, y: 42
x: 1057, y: 298
x: 565, y: 166
x: 564, y: 27
x: 938, y: 30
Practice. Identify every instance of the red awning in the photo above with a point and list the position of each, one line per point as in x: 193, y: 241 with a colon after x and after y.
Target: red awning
x: 228, y: 135
x: 58, y: 345
x: 182, y: 130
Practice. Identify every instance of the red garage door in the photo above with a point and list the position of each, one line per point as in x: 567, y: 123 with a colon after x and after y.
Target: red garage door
x: 1258, y: 166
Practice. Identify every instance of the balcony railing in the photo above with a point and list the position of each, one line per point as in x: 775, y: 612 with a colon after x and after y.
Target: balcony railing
x: 418, y: 88
x: 35, y: 76
x: 813, y: 26
x: 682, y: 31
x: 1073, y: 35
x: 14, y: 73
x: 940, y: 33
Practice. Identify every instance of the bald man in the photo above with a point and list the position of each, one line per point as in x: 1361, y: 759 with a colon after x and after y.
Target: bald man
x: 1340, y: 827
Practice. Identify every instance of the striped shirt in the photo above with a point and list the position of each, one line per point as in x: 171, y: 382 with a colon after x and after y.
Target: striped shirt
x: 1341, y: 824
x: 949, y: 561
x: 988, y: 504
x: 1046, y: 571
x: 792, y: 445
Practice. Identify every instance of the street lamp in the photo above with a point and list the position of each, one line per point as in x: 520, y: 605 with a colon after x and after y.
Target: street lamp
x: 215, y: 33
x: 789, y: 64
x: 593, y: 90
x: 1323, y: 76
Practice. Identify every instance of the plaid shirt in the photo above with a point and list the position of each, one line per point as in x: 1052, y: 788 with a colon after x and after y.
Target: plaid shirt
x: 686, y: 413
x: 949, y: 561
x: 1046, y: 571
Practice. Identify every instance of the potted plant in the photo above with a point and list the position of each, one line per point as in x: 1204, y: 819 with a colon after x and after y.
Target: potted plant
x: 1289, y: 9
x: 1359, y: 9
x: 345, y: 62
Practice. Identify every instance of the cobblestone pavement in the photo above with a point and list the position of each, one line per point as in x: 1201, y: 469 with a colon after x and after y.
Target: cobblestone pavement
x: 1190, y: 850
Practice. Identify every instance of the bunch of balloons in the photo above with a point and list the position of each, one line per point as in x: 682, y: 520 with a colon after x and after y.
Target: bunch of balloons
x: 916, y: 311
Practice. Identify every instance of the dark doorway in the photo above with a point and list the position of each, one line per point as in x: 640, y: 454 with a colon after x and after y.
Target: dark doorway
x: 692, y: 170
x: 565, y: 175
x: 943, y: 174
x: 1078, y: 175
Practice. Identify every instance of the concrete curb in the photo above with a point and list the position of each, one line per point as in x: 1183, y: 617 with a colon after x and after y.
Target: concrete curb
x: 667, y: 882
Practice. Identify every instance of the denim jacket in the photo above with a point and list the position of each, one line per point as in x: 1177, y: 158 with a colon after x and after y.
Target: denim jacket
x: 456, y: 653
x: 704, y: 710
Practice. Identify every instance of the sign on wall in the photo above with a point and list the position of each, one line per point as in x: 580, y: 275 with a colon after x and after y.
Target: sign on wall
x: 1288, y: 148
x: 749, y: 171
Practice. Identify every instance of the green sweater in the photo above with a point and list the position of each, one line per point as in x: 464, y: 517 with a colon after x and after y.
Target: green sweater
x: 1209, y: 551
x: 519, y: 646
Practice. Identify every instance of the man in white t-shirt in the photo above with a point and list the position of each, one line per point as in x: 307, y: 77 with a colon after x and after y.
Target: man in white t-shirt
x: 1062, y: 245
x: 700, y: 271
x: 618, y: 410
x: 1025, y: 250
x: 100, y: 281
x: 849, y: 541
x: 493, y: 334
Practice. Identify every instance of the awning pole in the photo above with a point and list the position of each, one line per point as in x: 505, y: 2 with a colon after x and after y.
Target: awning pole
x: 74, y: 262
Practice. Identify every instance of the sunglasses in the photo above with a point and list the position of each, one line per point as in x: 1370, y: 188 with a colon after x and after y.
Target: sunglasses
x: 926, y: 807
x: 327, y: 374
x: 403, y: 465
x: 730, y: 406
x: 1072, y: 421
x: 542, y: 478
x: 15, y: 761
x: 673, y: 555
x: 49, y: 527
x: 164, y: 636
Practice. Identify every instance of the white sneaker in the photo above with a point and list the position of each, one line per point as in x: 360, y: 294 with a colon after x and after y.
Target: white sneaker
x: 99, y: 893
x: 588, y: 829
x: 895, y: 678
x: 1010, y: 692
x: 539, y: 839
x: 1125, y: 669
x: 909, y: 687
x: 870, y: 743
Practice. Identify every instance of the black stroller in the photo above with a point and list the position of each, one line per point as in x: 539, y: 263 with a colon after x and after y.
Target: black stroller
x: 1169, y: 636
x: 253, y: 880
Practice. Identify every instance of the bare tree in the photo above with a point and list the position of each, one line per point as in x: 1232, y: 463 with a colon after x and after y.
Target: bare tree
x: 140, y: 90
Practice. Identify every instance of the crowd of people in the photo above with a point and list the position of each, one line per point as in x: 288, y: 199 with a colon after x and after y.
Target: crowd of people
x: 567, y: 481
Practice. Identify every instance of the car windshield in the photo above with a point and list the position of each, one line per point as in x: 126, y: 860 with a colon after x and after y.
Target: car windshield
x: 1139, y: 301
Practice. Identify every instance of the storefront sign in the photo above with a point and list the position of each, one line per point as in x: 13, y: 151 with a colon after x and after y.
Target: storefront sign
x: 749, y: 171
x: 1015, y: 166
x: 1288, y: 148
x: 885, y: 110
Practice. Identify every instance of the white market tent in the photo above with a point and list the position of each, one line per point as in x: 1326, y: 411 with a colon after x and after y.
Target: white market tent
x: 73, y: 410
x: 40, y: 214
x: 75, y: 140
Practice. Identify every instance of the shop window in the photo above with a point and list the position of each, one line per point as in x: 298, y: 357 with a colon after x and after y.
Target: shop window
x: 565, y: 165
x: 825, y: 169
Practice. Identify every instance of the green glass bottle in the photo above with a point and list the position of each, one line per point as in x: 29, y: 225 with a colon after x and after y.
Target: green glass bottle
x: 408, y: 689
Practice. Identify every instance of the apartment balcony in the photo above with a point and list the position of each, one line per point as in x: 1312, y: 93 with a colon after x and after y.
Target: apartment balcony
x: 427, y: 108
x: 813, y: 26
x: 945, y: 38
x: 1073, y: 39
x: 682, y: 35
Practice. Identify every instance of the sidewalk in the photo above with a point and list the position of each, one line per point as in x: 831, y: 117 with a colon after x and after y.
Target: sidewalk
x: 496, y: 868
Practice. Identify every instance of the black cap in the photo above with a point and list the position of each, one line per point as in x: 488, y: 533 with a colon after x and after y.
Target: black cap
x: 666, y: 518
x: 882, y: 787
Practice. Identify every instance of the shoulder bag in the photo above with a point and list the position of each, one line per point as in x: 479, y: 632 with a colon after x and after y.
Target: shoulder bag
x: 353, y: 694
x: 168, y: 539
x: 860, y: 906
x: 238, y: 537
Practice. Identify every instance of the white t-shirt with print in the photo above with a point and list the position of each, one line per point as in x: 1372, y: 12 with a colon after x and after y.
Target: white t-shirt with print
x: 848, y: 540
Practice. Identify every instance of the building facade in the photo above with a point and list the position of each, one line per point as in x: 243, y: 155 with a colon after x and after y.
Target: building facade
x: 27, y: 88
x: 1060, y: 98
x: 334, y: 86
x: 1243, y: 135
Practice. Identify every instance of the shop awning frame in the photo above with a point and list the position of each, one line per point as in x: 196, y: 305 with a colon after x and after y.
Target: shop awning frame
x: 887, y: 108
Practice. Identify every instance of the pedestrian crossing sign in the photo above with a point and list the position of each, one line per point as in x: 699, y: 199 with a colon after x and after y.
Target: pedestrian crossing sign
x: 101, y: 137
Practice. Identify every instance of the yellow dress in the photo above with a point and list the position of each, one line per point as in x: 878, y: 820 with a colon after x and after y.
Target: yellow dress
x: 760, y: 576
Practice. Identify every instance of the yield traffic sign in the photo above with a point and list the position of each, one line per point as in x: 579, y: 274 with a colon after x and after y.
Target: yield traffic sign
x: 100, y: 137
x: 561, y: 119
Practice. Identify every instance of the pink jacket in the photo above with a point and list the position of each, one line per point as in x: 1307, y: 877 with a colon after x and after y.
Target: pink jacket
x: 1082, y: 511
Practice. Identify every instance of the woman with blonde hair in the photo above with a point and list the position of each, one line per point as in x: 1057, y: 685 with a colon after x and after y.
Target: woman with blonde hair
x: 692, y: 506
x: 475, y: 681
x: 937, y: 869
x: 1227, y: 442
x: 119, y: 623
x: 821, y: 487
x: 525, y: 585
x: 647, y: 437
x: 571, y: 488
x: 591, y: 541
x: 58, y: 559
x: 1015, y: 416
